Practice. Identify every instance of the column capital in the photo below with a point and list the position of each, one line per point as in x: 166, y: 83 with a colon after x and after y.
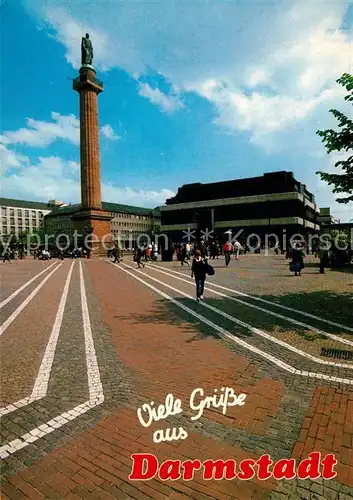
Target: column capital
x: 87, y: 80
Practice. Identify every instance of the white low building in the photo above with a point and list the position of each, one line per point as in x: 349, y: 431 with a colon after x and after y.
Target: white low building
x: 19, y: 216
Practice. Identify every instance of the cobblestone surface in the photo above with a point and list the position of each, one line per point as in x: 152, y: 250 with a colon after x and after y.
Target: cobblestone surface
x: 147, y: 347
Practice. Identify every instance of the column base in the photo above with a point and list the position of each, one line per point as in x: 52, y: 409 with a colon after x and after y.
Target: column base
x: 93, y: 229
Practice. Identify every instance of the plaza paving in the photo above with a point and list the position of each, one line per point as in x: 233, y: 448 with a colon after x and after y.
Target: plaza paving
x: 85, y: 343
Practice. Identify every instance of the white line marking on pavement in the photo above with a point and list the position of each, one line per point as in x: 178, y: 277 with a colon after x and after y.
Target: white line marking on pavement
x: 272, y: 313
x: 247, y: 325
x: 14, y: 406
x: 259, y: 299
x: 96, y: 395
x: 43, y: 430
x: 225, y: 334
x: 14, y: 315
x: 41, y: 384
x: 13, y: 295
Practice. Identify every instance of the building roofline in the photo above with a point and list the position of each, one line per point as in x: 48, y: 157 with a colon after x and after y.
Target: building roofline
x: 239, y: 179
x: 186, y: 190
x: 11, y: 202
x: 106, y: 206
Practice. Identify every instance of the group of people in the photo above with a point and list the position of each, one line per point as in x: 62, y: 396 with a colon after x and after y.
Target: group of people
x: 147, y: 253
x: 199, y: 268
x: 78, y: 253
x: 296, y: 254
x: 9, y: 254
x: 141, y: 255
x: 185, y: 251
x: 75, y: 253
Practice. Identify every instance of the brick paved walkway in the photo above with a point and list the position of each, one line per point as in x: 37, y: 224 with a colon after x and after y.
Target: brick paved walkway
x: 72, y: 430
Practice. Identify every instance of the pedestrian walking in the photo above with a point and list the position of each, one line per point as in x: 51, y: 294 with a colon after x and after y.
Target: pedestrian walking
x: 6, y: 256
x: 155, y: 252
x: 198, y: 270
x: 188, y: 251
x: 297, y: 263
x: 324, y: 257
x: 183, y: 256
x: 116, y: 253
x: 214, y: 250
x: 138, y: 257
x: 237, y: 248
x: 227, y: 249
x: 149, y: 252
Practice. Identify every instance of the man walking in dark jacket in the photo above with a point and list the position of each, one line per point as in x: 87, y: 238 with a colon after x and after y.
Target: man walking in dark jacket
x: 198, y: 269
x: 138, y: 257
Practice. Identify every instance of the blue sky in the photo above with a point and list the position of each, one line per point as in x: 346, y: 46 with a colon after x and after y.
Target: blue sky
x: 194, y: 91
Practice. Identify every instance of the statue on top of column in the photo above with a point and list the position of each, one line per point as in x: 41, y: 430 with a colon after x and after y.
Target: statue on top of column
x: 86, y: 50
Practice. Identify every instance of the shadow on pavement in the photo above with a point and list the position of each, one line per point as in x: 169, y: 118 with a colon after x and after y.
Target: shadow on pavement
x: 326, y: 304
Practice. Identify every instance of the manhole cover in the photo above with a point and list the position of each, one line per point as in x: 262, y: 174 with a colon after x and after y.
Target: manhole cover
x: 336, y: 353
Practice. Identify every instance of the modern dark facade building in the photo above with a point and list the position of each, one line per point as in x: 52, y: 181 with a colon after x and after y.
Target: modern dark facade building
x: 271, y: 203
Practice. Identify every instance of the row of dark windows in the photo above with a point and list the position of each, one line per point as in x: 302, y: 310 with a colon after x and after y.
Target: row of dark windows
x: 11, y: 211
x: 243, y: 235
x: 263, y: 210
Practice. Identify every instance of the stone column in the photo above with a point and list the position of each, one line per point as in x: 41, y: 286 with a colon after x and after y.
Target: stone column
x: 91, y: 222
x: 88, y: 86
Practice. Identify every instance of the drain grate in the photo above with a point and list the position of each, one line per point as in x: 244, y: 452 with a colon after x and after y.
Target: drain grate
x: 336, y: 353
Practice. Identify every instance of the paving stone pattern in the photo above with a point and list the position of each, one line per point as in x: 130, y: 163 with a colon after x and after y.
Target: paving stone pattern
x: 147, y: 347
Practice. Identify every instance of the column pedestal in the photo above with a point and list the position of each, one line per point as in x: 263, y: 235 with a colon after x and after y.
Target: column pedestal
x: 93, y: 231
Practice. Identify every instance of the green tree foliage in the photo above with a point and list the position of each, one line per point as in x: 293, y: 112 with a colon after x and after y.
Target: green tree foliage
x: 22, y: 242
x: 36, y: 237
x: 341, y: 141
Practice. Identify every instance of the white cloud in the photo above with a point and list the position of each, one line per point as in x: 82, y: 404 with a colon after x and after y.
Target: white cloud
x: 52, y: 177
x: 259, y: 76
x: 167, y: 103
x: 138, y: 197
x: 74, y: 165
x: 41, y: 133
x: 269, y: 72
x: 9, y: 159
x: 48, y: 178
x: 319, y: 57
x: 108, y: 132
x: 262, y: 115
x: 69, y: 32
x: 299, y: 77
x: 296, y: 51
